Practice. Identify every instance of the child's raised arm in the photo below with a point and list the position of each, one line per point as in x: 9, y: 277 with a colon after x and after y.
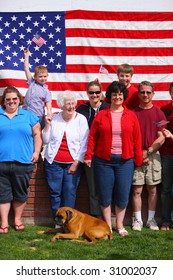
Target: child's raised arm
x: 26, y: 64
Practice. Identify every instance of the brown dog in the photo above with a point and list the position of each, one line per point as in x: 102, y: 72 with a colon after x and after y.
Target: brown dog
x: 77, y: 224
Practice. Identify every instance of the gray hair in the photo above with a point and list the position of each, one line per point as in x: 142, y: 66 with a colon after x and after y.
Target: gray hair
x: 145, y: 83
x: 64, y: 95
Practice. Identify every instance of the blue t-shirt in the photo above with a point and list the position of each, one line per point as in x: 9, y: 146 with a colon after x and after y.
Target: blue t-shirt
x: 16, y: 138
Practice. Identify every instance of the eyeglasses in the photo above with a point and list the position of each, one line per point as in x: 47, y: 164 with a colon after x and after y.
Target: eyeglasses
x: 96, y: 92
x: 11, y: 99
x: 147, y: 92
x: 72, y: 104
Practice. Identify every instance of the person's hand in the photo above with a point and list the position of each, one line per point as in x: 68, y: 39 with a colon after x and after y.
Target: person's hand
x: 26, y: 52
x: 48, y: 119
x: 146, y: 161
x: 97, y: 80
x: 87, y: 163
x: 49, y: 116
x: 167, y: 133
x: 145, y: 158
x: 35, y: 157
x: 73, y: 168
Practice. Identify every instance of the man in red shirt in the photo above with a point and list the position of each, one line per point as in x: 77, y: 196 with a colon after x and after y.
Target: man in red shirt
x: 149, y: 174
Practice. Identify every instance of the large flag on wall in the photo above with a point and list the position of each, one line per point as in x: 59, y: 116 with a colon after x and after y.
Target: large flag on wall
x: 77, y: 43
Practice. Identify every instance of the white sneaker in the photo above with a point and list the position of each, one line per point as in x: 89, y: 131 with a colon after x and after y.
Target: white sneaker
x: 152, y: 224
x: 137, y: 225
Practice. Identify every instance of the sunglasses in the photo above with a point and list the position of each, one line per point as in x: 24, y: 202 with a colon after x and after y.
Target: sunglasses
x: 96, y: 92
x: 147, y: 92
x: 11, y: 99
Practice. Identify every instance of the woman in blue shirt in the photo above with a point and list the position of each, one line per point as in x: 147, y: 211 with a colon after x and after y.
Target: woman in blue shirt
x: 20, y: 145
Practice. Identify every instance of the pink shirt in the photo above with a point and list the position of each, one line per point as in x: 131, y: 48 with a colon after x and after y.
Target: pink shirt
x: 116, y: 133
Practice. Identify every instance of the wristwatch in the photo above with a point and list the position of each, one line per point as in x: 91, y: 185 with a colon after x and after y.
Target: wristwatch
x: 149, y: 152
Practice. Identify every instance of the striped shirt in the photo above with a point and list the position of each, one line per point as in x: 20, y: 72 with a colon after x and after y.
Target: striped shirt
x: 116, y: 133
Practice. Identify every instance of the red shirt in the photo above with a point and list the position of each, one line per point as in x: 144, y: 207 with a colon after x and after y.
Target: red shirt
x: 100, y: 136
x: 167, y: 147
x: 63, y: 154
x: 132, y: 100
x: 148, y: 119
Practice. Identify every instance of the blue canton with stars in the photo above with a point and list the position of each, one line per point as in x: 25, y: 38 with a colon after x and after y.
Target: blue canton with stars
x: 16, y: 33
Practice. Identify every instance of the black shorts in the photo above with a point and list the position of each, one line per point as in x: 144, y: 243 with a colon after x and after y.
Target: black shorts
x: 14, y: 181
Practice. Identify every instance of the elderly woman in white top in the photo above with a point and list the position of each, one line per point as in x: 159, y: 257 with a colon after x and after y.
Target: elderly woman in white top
x: 65, y: 136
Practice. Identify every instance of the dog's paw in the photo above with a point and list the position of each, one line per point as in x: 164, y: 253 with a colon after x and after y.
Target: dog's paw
x: 53, y: 239
x: 40, y: 232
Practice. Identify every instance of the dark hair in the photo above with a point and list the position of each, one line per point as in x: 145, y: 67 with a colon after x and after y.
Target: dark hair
x: 170, y: 86
x: 9, y: 90
x: 116, y: 87
x: 145, y: 83
x: 93, y: 83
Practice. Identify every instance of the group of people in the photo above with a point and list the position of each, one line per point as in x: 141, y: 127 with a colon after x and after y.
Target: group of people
x: 117, y: 140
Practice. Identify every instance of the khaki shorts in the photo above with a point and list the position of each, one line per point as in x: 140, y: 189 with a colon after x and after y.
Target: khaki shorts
x: 148, y: 174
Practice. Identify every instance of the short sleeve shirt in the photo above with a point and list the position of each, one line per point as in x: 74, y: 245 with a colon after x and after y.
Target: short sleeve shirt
x: 36, y: 97
x: 148, y: 119
x: 16, y: 138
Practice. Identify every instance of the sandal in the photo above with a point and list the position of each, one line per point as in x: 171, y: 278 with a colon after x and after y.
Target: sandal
x: 122, y: 232
x: 19, y: 227
x: 4, y: 230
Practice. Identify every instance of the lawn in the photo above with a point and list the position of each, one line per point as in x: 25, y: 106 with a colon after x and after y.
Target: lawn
x: 29, y: 245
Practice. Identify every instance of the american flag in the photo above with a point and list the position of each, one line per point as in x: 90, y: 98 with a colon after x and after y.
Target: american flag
x: 161, y: 123
x: 38, y: 40
x: 103, y: 70
x: 79, y: 41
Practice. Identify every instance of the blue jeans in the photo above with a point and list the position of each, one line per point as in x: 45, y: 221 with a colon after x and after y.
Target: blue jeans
x: 113, y: 180
x: 62, y: 186
x: 166, y: 190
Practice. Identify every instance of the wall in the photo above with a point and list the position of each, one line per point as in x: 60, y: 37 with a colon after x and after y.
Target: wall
x: 38, y: 209
x: 108, y: 5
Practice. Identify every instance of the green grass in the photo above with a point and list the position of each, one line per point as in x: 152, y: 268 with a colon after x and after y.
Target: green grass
x: 29, y: 245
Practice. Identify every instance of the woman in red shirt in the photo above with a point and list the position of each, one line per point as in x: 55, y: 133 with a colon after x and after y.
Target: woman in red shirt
x: 115, y: 146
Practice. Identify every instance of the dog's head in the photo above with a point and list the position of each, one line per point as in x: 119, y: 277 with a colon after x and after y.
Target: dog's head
x: 63, y: 216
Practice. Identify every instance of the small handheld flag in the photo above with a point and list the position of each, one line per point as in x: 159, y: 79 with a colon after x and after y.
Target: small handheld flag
x: 38, y: 40
x: 103, y: 70
x: 161, y: 123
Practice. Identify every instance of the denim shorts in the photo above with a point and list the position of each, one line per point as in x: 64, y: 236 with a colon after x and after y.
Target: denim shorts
x: 14, y: 181
x: 113, y: 179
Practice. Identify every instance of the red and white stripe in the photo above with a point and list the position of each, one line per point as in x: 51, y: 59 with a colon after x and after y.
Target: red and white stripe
x: 142, y: 39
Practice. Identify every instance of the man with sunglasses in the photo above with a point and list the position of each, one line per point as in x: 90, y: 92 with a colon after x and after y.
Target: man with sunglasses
x: 151, y: 121
x: 89, y: 110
